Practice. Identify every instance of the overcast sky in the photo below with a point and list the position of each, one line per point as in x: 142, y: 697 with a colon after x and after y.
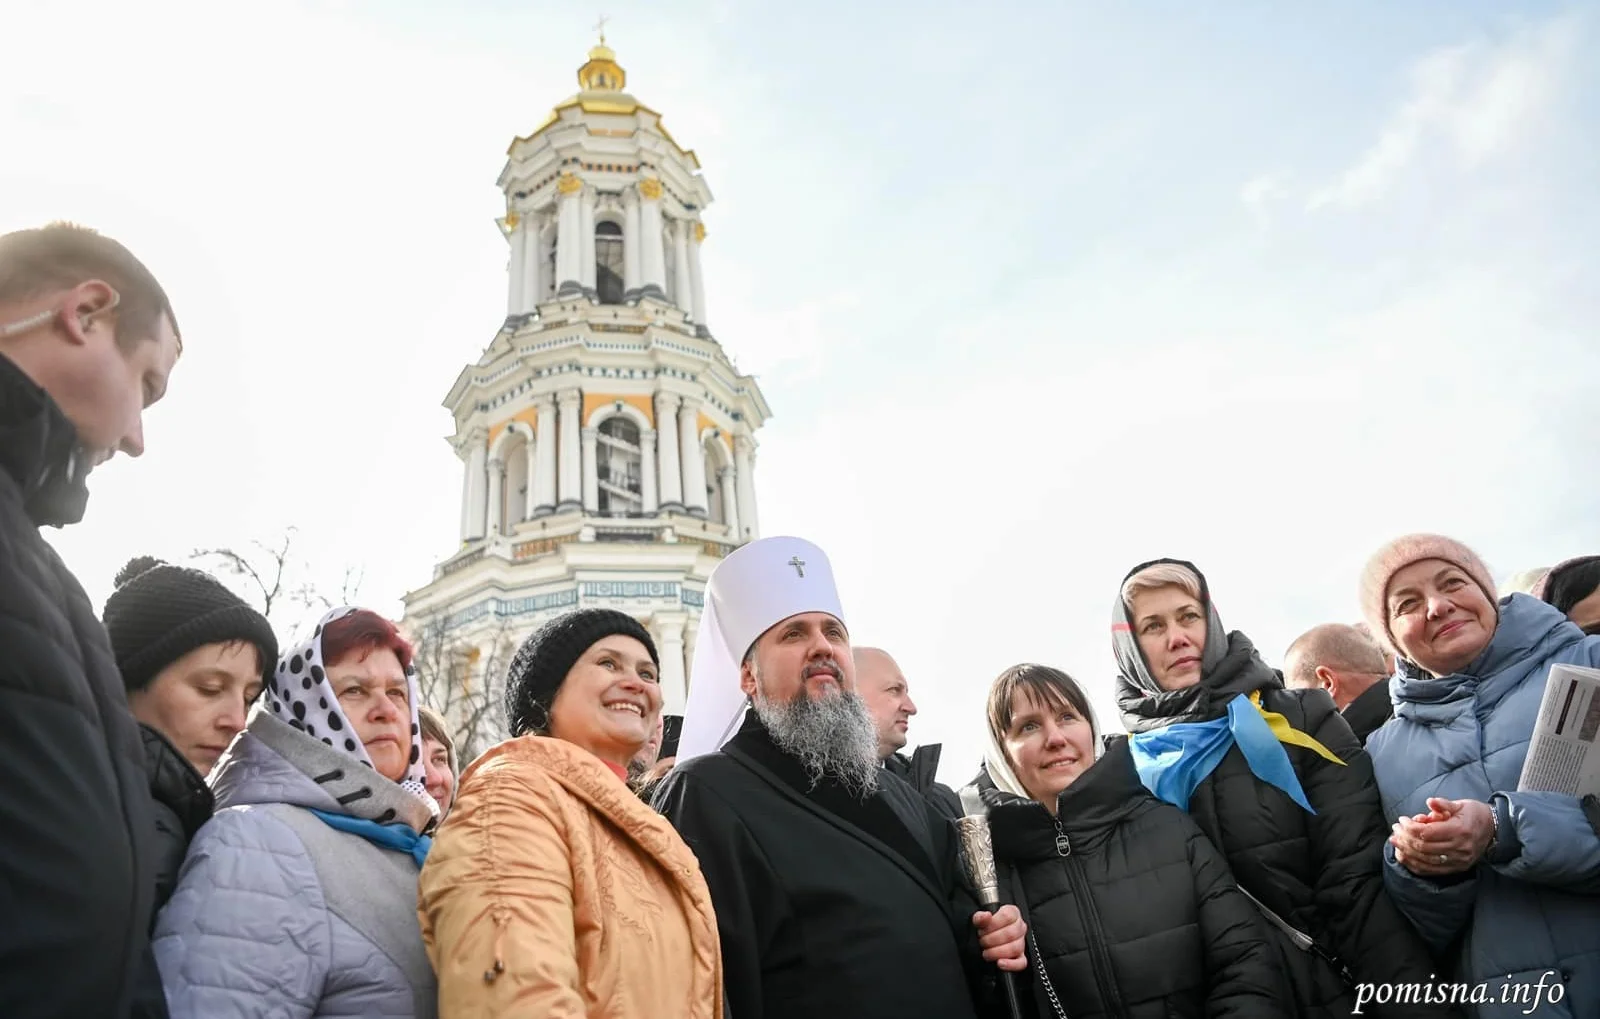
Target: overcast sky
x: 1034, y: 296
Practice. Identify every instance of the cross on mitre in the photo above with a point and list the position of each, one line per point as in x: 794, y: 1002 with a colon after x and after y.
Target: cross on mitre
x: 798, y: 564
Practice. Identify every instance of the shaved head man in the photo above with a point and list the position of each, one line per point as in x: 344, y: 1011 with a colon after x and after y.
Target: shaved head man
x: 1345, y: 662
x: 888, y: 698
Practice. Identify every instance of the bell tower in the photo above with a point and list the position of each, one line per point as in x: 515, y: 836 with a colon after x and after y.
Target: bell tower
x: 608, y: 441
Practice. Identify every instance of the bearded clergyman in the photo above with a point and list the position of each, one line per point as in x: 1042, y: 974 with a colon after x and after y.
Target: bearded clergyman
x: 838, y: 888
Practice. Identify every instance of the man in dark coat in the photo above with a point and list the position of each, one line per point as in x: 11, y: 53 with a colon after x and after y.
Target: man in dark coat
x: 1350, y: 667
x: 837, y: 886
x: 87, y: 340
x: 887, y: 694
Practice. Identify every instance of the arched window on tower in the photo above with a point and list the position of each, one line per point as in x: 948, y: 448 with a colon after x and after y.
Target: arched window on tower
x: 608, y: 279
x: 719, y: 480
x: 547, y: 278
x: 514, y: 490
x: 620, y: 464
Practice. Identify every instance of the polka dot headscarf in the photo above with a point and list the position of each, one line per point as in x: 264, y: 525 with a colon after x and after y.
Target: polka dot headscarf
x: 299, y: 693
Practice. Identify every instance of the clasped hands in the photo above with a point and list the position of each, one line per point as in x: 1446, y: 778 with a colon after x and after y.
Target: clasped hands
x: 1450, y: 839
x: 1003, y: 936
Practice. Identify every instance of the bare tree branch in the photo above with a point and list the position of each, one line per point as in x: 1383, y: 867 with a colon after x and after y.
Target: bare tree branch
x: 462, y: 677
x: 277, y: 575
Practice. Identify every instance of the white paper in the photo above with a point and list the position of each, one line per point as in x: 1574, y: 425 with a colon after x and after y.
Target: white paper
x: 1564, y: 756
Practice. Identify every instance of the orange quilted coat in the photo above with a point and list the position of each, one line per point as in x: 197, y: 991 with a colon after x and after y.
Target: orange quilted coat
x: 554, y: 892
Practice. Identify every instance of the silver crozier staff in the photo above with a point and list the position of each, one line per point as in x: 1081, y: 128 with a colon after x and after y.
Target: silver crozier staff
x: 977, y: 852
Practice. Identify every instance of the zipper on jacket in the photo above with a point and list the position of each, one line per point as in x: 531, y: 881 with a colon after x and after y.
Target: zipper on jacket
x: 1099, y: 955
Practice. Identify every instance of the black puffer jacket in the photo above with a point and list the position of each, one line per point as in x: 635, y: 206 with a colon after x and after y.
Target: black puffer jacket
x: 182, y: 803
x: 1322, y: 873
x: 920, y: 769
x: 1132, y: 911
x: 75, y: 878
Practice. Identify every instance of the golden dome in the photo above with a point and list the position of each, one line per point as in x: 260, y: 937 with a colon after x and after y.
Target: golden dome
x: 602, y: 73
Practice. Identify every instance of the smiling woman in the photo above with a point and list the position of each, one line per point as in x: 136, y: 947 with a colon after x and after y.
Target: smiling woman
x: 1078, y: 840
x: 554, y: 890
x: 1506, y: 876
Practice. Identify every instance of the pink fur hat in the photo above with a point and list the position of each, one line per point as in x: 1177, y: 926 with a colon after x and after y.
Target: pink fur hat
x: 1396, y: 556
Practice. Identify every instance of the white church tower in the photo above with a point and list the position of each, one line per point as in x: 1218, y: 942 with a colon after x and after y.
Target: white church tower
x: 608, y: 442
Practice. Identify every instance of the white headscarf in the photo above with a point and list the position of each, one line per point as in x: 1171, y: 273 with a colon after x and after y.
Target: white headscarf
x: 298, y: 692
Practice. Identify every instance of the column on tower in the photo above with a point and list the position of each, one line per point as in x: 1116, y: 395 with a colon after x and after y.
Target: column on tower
x: 516, y: 273
x: 571, y: 477
x: 586, y: 225
x: 630, y: 243
x: 497, y: 479
x: 543, y: 482
x: 668, y: 637
x: 726, y: 482
x: 647, y: 469
x: 667, y: 446
x: 697, y: 282
x: 591, y: 471
x: 569, y: 239
x: 652, y: 245
x: 532, y: 266
x: 691, y: 636
x: 684, y: 298
x: 744, y: 464
x: 530, y: 500
x: 694, y: 458
x: 475, y: 484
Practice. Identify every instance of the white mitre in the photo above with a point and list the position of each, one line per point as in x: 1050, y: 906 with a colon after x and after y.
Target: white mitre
x: 751, y: 591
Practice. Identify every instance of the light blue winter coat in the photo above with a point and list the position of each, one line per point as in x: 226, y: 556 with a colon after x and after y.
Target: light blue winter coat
x: 276, y: 913
x: 1465, y: 737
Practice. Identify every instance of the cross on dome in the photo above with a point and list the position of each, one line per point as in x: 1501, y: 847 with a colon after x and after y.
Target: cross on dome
x: 602, y: 73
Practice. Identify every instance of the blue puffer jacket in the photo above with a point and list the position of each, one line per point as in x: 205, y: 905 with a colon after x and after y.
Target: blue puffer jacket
x: 1465, y: 737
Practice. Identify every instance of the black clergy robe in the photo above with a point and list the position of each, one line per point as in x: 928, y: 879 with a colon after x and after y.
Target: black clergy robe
x: 827, y: 906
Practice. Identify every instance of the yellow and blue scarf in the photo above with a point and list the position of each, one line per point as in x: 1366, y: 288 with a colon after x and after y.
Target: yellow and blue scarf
x: 1174, y: 760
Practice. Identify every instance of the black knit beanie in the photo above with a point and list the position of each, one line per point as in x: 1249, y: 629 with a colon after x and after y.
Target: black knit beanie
x: 1571, y: 582
x: 544, y: 659
x: 160, y: 612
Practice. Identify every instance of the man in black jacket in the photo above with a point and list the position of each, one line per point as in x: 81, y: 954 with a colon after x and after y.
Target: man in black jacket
x: 87, y: 340
x: 888, y: 698
x: 1343, y: 661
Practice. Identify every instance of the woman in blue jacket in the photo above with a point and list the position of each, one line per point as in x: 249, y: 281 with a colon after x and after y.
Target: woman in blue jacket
x: 1511, y: 877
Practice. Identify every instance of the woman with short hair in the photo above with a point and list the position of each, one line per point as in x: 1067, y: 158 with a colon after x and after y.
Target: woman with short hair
x: 1130, y: 909
x: 1276, y: 780
x: 438, y: 759
x: 554, y: 890
x: 1506, y: 879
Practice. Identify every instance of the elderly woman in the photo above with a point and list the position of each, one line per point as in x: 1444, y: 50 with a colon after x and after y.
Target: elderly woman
x: 1276, y: 780
x: 554, y: 890
x: 298, y: 897
x: 1511, y: 876
x: 1131, y: 911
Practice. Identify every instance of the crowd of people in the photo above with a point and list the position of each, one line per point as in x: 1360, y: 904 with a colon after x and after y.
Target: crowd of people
x: 204, y: 824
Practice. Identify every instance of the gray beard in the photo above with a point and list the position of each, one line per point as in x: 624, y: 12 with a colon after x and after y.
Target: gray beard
x: 832, y: 737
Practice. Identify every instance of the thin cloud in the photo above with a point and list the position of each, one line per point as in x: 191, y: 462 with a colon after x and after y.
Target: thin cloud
x: 1476, y: 101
